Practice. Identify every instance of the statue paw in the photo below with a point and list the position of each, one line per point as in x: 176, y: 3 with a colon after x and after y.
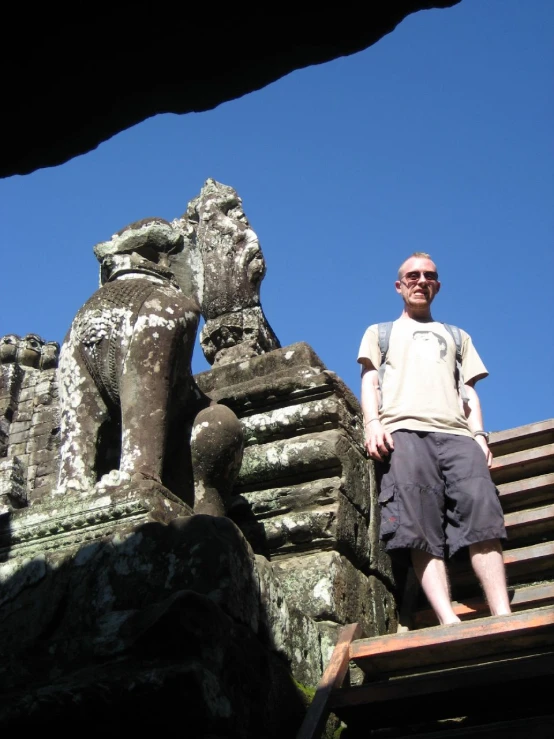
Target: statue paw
x: 113, y: 479
x: 71, y: 487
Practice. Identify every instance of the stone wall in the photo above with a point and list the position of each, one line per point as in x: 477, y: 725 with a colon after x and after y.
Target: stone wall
x: 29, y: 420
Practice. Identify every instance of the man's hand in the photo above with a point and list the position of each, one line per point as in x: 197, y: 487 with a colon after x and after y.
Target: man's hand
x: 378, y: 442
x: 485, y: 447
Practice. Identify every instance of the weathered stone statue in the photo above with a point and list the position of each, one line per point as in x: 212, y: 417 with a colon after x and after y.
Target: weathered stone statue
x: 132, y: 607
x: 128, y: 400
x: 232, y: 269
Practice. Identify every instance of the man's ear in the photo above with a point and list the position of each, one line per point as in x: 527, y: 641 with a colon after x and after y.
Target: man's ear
x: 398, y: 286
x: 438, y: 286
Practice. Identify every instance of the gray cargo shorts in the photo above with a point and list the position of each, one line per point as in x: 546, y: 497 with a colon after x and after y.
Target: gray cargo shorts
x: 436, y: 494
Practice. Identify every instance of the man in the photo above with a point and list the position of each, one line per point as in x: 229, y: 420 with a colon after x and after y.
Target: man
x: 436, y: 495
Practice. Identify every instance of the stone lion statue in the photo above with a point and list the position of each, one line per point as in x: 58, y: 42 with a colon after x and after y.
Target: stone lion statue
x: 130, y: 410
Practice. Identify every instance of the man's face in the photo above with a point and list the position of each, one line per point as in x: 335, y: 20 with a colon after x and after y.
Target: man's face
x: 418, y: 290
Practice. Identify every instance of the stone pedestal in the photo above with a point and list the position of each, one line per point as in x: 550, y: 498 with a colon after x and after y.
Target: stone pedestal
x: 305, y: 496
x: 128, y: 605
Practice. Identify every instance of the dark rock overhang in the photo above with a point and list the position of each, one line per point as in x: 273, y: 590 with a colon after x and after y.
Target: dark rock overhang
x: 75, y: 77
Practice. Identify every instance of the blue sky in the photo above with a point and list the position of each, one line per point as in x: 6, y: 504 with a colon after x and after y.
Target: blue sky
x: 438, y: 138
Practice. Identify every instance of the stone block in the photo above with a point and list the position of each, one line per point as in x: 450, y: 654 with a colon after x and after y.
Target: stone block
x: 264, y: 366
x: 19, y: 427
x: 290, y: 461
x: 321, y: 521
x: 48, y: 467
x: 18, y: 438
x: 327, y: 587
x: 13, y: 492
x: 328, y: 636
x: 40, y: 429
x: 38, y: 443
x: 312, y: 415
x: 24, y: 415
x: 282, y: 500
x: 286, y: 630
x: 27, y: 393
x: 42, y: 388
x: 48, y: 480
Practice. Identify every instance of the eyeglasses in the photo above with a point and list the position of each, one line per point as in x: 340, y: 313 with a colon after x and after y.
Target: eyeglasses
x: 415, y: 276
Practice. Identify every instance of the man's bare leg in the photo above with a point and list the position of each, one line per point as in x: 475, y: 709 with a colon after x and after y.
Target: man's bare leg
x: 488, y: 564
x: 431, y: 573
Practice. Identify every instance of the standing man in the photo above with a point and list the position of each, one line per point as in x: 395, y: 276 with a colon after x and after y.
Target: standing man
x: 436, y: 494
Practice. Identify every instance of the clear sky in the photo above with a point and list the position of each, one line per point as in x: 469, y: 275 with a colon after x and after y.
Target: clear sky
x: 438, y: 138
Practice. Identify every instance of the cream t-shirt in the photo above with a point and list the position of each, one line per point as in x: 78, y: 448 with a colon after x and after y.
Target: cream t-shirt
x: 419, y: 389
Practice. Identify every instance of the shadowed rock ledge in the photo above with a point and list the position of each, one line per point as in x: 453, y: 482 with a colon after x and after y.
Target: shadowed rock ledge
x: 74, y: 80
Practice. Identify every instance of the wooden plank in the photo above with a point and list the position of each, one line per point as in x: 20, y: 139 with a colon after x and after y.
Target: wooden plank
x: 333, y: 677
x: 527, y: 492
x: 448, y: 693
x: 529, y: 560
x: 443, y: 644
x: 522, y: 564
x: 529, y: 522
x: 527, y: 463
x: 529, y: 596
x: 440, y: 681
x: 522, y: 437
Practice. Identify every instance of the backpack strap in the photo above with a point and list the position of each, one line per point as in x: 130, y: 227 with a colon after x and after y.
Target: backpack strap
x: 454, y: 331
x: 384, y: 332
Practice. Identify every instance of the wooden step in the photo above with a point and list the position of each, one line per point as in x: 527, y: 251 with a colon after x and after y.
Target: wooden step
x: 528, y: 492
x: 440, y: 645
x: 528, y: 596
x: 532, y: 523
x: 489, y: 691
x: 523, y: 464
x: 522, y: 437
x: 524, y: 564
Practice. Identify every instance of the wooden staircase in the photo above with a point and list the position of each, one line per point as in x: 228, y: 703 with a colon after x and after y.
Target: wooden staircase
x: 488, y: 676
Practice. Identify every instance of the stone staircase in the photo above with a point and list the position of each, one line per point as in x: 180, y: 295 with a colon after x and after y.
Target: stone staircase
x: 488, y: 676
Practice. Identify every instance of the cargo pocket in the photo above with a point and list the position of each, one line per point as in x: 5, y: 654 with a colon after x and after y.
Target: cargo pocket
x: 390, y: 512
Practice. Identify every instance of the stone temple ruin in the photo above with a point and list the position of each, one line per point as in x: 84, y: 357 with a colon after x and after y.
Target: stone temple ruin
x: 175, y: 545
x: 186, y: 551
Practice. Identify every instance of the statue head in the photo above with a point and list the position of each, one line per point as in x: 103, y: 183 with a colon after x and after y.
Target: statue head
x: 50, y: 355
x: 29, y: 350
x: 233, y: 263
x: 8, y: 348
x: 142, y: 247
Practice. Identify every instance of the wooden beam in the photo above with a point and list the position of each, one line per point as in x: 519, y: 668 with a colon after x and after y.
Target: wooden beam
x: 522, y: 437
x: 527, y: 492
x: 530, y: 522
x: 529, y: 560
x: 527, y: 463
x: 530, y: 596
x: 333, y: 677
x: 447, y: 693
x: 462, y: 641
x: 523, y: 563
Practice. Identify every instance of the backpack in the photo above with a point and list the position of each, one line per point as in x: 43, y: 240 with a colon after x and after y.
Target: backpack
x: 384, y: 332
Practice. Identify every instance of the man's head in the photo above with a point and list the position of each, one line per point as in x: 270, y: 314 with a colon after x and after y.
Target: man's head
x: 418, y: 284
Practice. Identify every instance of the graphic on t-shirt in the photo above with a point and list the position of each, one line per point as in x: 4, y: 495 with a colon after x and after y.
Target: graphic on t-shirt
x: 430, y: 346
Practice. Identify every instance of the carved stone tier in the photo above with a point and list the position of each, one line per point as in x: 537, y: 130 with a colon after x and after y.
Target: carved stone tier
x: 67, y: 522
x: 305, y: 495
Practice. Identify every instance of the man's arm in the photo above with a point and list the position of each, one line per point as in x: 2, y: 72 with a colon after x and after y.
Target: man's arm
x: 378, y: 442
x: 472, y: 410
